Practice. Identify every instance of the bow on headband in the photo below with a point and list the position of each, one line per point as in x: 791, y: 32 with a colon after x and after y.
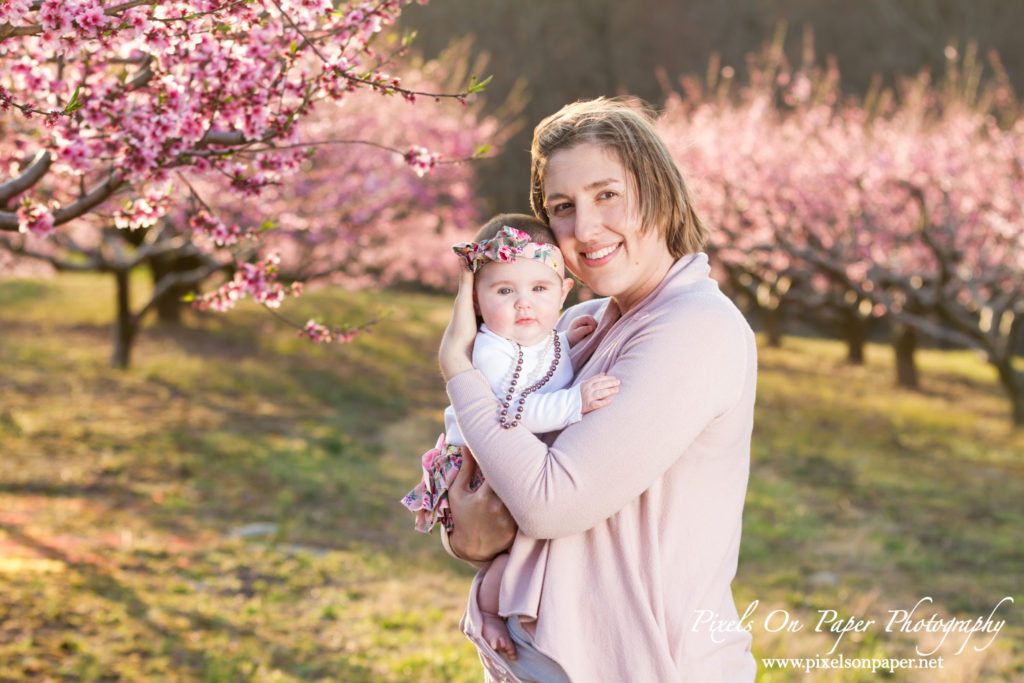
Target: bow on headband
x: 508, y: 245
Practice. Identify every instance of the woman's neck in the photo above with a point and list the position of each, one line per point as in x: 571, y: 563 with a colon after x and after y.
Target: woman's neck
x: 629, y: 300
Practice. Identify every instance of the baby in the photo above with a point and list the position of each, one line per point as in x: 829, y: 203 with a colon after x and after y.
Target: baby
x: 519, y: 289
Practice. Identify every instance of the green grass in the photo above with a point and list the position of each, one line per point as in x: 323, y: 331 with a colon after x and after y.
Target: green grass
x: 865, y: 498
x: 120, y: 493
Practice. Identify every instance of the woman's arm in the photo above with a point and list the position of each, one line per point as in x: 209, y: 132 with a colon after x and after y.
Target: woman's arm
x: 456, y: 352
x: 678, y: 374
x: 483, y: 526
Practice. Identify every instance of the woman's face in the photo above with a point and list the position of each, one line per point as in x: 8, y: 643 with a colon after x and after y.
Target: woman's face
x: 591, y: 203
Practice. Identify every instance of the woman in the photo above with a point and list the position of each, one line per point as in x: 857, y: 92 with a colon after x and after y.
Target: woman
x: 629, y: 520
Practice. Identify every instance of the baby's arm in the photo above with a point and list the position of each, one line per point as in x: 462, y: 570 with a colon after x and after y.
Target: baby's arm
x: 547, y: 411
x: 543, y: 411
x: 580, y: 328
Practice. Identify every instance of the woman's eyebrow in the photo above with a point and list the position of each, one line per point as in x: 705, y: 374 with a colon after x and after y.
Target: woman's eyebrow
x: 588, y: 187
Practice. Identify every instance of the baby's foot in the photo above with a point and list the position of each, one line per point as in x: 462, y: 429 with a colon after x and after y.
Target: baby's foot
x: 496, y: 634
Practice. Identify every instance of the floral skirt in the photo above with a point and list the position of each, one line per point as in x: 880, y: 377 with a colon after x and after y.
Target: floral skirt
x: 429, y: 500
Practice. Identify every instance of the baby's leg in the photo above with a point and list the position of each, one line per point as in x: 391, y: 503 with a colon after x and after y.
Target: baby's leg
x: 495, y: 631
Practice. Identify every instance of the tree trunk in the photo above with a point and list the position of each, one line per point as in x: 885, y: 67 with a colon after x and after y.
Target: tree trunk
x: 855, y: 333
x: 169, y: 306
x: 772, y: 320
x: 126, y: 325
x: 1011, y: 379
x: 904, y: 344
x: 1013, y: 382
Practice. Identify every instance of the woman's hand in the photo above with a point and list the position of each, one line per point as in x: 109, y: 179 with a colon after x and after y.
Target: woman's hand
x: 483, y: 525
x: 456, y: 352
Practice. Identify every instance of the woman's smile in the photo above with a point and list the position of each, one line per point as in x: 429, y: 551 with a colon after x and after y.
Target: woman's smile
x: 601, y: 255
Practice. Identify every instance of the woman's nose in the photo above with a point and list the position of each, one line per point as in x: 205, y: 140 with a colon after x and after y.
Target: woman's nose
x: 588, y: 223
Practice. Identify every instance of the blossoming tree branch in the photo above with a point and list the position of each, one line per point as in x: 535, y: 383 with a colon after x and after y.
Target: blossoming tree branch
x: 113, y: 112
x: 905, y: 206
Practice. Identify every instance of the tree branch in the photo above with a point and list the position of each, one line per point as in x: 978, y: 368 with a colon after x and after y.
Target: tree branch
x: 31, y: 175
x: 143, y: 77
x: 58, y: 263
x: 187, y: 277
x: 8, y: 31
x: 97, y: 196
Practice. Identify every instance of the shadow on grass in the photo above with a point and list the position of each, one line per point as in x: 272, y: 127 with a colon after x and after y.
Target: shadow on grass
x: 224, y: 425
x: 857, y: 491
x: 860, y: 485
x: 173, y: 643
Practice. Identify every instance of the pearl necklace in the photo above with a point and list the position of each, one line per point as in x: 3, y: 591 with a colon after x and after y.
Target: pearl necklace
x: 538, y: 368
x: 505, y: 423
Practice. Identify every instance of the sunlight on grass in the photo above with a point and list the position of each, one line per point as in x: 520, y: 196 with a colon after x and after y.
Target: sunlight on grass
x: 865, y: 497
x: 129, y: 500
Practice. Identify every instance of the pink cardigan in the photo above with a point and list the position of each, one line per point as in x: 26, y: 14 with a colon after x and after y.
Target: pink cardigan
x: 629, y: 521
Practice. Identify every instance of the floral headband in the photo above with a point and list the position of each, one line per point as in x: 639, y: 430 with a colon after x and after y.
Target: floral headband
x: 508, y: 245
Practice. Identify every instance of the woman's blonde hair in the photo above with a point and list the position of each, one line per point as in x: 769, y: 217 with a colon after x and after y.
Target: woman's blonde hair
x: 628, y: 129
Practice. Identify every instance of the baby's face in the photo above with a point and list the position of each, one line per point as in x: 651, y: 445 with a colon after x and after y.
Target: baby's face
x: 521, y: 300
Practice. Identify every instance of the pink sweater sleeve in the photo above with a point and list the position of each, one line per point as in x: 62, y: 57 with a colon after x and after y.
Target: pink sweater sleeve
x: 679, y: 370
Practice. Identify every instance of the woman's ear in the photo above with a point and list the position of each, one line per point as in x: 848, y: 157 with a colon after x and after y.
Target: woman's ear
x: 567, y: 283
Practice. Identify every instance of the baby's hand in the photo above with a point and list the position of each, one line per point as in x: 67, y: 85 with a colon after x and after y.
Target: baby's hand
x: 580, y: 328
x: 597, y: 392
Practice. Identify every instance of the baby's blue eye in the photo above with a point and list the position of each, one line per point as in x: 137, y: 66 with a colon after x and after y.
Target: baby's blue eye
x: 504, y: 290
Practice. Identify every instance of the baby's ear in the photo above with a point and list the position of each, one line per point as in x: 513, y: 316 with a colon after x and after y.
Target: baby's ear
x: 567, y: 284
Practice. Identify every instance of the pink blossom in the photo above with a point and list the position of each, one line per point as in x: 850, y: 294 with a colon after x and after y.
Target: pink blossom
x: 421, y: 160
x: 316, y: 332
x: 257, y: 280
x: 144, y: 96
x: 861, y: 211
x: 204, y: 223
x: 141, y: 213
x: 34, y: 219
x: 13, y: 11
